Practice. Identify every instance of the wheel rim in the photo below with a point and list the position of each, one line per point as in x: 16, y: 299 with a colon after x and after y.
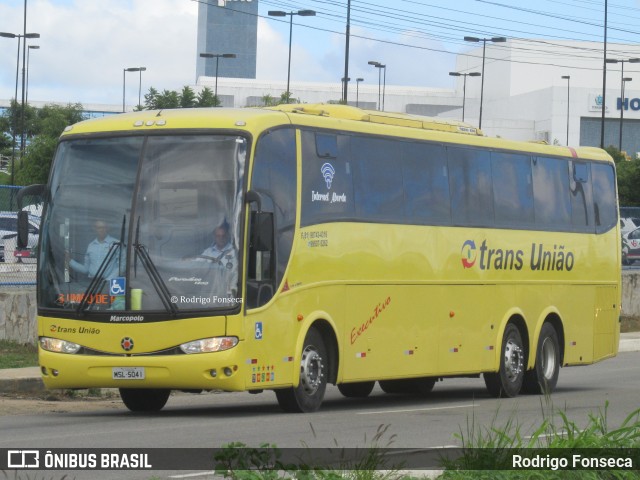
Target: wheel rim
x: 512, y: 360
x: 311, y: 370
x: 548, y: 353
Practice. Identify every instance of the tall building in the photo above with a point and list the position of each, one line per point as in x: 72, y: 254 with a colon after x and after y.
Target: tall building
x: 227, y: 26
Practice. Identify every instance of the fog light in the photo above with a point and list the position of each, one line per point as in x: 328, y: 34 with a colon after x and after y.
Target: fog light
x: 54, y: 372
x: 228, y: 372
x: 213, y: 372
x: 44, y: 370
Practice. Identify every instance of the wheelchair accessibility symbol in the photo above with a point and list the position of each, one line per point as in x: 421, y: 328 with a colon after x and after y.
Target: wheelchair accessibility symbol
x: 258, y: 331
x: 117, y: 286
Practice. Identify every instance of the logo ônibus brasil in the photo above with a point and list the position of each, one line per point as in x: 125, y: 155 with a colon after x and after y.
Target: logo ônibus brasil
x: 542, y: 257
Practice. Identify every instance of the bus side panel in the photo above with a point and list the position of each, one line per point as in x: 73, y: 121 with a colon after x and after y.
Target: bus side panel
x: 275, y: 333
x: 466, y: 342
x: 574, y: 305
x: 606, y: 324
x: 396, y: 331
x: 390, y: 331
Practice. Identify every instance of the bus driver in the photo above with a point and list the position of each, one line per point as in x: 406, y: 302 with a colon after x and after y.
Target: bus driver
x: 224, y: 259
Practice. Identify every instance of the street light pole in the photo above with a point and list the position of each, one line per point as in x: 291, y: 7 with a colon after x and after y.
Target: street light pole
x: 142, y: 69
x: 464, y: 85
x: 380, y: 66
x: 280, y: 13
x: 568, y: 79
x: 358, y: 80
x: 124, y: 79
x: 31, y: 47
x: 344, y: 81
x: 346, y: 55
x: 15, y: 100
x: 217, y: 56
x: 384, y: 84
x: 484, y: 47
x: 622, y: 81
x: 15, y: 116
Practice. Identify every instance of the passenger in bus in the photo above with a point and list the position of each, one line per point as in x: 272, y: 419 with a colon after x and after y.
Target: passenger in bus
x: 224, y: 259
x: 97, y: 251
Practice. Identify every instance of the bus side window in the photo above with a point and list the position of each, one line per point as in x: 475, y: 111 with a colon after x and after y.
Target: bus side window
x: 581, y: 196
x: 604, y: 198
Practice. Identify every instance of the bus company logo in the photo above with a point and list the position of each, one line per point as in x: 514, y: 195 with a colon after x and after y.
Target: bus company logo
x: 127, y: 344
x: 328, y: 172
x: 554, y: 257
x: 469, y: 254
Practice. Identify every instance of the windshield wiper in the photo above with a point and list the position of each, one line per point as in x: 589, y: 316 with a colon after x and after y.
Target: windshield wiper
x: 97, y: 282
x: 152, y: 271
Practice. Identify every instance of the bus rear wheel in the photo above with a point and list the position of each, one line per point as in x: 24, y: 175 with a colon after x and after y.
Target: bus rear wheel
x: 144, y: 399
x: 308, y: 395
x: 356, y: 390
x: 507, y: 382
x: 544, y: 376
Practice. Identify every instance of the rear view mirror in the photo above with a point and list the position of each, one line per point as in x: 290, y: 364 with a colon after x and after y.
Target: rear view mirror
x: 261, y: 231
x: 23, y: 230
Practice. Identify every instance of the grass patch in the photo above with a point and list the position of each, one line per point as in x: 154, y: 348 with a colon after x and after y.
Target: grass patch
x: 17, y: 355
x: 487, y: 452
x: 488, y: 449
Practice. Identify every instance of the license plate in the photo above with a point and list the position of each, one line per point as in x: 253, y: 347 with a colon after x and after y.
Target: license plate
x: 128, y: 373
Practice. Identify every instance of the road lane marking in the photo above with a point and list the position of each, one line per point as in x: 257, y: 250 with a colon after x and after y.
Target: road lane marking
x: 409, y: 410
x: 192, y: 475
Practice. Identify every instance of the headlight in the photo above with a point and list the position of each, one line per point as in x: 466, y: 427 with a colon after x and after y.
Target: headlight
x: 206, y: 345
x: 58, y: 346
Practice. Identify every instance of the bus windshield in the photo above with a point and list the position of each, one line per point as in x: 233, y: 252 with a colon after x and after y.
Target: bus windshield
x: 143, y: 222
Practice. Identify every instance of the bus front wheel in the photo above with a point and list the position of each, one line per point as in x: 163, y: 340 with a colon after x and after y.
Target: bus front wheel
x: 144, y: 399
x: 507, y: 382
x: 308, y: 395
x: 544, y: 376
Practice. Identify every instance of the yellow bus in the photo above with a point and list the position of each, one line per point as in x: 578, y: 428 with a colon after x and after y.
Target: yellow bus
x: 293, y: 247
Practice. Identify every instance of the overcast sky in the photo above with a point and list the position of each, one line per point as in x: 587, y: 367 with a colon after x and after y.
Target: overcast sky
x: 85, y: 44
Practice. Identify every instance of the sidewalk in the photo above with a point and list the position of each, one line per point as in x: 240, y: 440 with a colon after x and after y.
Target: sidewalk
x: 27, y: 380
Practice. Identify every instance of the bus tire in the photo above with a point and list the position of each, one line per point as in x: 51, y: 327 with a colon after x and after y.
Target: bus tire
x: 544, y: 376
x: 144, y: 399
x: 308, y: 395
x: 356, y: 390
x: 507, y: 382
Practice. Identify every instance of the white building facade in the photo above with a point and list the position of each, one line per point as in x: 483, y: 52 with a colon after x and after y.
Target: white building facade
x: 525, y: 95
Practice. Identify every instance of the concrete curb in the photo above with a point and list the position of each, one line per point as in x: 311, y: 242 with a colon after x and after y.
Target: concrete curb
x: 21, y: 380
x: 28, y: 380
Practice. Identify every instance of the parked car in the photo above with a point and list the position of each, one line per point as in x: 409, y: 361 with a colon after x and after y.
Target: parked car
x: 628, y: 224
x: 631, y: 247
x: 9, y: 233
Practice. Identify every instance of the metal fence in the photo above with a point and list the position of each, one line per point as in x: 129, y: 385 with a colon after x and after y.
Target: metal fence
x: 630, y: 212
x: 14, y: 271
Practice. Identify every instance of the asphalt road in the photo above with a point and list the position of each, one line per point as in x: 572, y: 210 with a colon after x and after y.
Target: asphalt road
x: 213, y: 420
